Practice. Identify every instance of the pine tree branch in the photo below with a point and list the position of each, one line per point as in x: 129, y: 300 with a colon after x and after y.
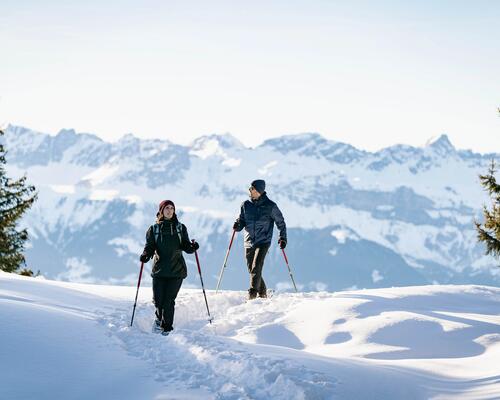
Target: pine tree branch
x: 16, y: 197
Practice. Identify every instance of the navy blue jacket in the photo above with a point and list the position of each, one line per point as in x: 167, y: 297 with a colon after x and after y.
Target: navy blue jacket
x: 258, y: 218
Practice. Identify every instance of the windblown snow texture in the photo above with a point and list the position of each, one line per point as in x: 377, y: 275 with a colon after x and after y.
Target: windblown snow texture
x: 73, y: 341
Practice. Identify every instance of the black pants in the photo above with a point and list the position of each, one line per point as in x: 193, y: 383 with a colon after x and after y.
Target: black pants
x: 164, y: 293
x: 255, y: 262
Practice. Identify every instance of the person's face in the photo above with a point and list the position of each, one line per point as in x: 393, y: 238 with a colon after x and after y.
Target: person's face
x: 254, y: 195
x: 168, y: 212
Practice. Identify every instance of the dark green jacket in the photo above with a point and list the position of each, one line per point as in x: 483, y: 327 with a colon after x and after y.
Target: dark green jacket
x: 166, y: 249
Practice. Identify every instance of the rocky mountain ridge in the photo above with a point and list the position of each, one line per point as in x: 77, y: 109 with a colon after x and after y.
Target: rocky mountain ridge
x: 399, y: 216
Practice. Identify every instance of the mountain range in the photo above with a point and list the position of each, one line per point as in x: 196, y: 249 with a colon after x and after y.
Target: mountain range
x: 356, y: 219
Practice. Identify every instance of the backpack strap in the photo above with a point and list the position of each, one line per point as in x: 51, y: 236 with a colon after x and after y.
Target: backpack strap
x: 179, y: 232
x: 156, y: 231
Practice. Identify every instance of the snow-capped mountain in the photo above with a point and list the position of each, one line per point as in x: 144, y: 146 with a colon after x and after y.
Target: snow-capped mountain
x: 400, y: 216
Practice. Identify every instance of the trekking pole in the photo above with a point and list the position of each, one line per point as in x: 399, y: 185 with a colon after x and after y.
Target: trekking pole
x: 225, y: 261
x: 289, y: 270
x: 202, y: 285
x: 137, y: 293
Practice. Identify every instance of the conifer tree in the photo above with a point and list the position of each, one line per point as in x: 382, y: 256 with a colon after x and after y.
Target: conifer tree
x: 16, y: 197
x: 489, y: 231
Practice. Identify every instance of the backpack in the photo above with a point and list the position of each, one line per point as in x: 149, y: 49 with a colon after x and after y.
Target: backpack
x: 178, y: 228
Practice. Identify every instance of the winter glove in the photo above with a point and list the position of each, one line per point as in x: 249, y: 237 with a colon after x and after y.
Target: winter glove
x: 195, y: 245
x: 236, y: 225
x: 144, y: 258
x: 282, y: 243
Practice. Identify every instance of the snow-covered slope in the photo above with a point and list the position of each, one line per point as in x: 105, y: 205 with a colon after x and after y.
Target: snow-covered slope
x: 73, y: 341
x: 399, y: 216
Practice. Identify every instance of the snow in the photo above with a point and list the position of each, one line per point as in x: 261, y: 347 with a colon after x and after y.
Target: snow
x: 63, y: 189
x: 133, y: 199
x: 77, y: 271
x: 341, y: 235
x: 376, y: 276
x: 74, y: 341
x: 209, y: 148
x: 266, y: 168
x: 101, y: 174
x: 232, y: 162
x: 216, y: 145
x: 126, y: 245
x: 105, y: 195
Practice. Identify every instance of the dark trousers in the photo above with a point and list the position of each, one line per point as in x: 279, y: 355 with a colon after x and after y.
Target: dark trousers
x: 164, y: 293
x: 255, y: 262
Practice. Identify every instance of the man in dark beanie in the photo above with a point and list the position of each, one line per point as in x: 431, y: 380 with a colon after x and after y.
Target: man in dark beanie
x: 258, y: 216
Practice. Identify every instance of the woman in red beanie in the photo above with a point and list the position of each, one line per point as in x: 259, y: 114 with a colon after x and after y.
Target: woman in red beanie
x: 165, y: 240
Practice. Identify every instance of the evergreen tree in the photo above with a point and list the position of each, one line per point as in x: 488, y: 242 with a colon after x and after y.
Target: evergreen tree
x: 489, y: 231
x: 16, y: 197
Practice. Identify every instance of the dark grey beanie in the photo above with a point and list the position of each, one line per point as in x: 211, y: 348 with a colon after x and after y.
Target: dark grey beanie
x: 259, y: 185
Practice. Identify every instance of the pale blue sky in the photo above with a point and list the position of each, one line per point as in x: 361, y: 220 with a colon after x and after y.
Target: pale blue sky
x: 370, y: 73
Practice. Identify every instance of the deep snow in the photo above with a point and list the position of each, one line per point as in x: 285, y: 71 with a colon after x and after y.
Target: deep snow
x: 73, y: 341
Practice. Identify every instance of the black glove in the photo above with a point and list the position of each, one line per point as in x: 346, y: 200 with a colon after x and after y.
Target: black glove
x: 282, y: 243
x: 236, y: 225
x: 195, y: 245
x: 144, y: 258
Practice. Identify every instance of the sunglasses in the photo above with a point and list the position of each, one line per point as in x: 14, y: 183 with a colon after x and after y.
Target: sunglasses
x: 169, y: 208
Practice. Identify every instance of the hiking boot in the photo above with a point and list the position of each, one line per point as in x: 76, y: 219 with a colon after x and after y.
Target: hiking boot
x: 252, y: 294
x: 263, y: 295
x: 166, y: 331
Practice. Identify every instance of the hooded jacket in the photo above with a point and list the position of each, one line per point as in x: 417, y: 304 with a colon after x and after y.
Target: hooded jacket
x: 166, y: 249
x: 258, y: 217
